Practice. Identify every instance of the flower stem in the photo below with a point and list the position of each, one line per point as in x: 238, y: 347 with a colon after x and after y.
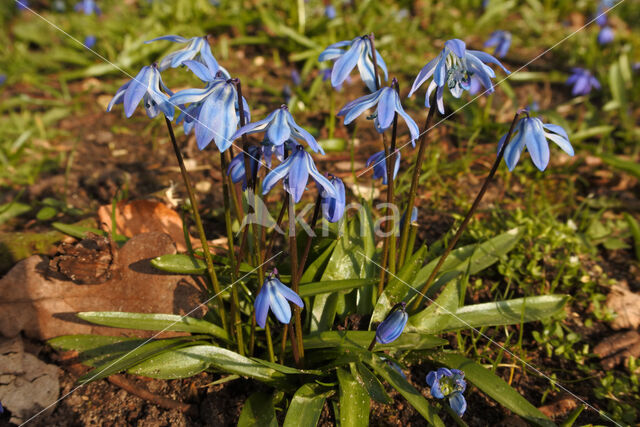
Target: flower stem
x: 307, y: 248
x: 196, y: 216
x: 414, y: 182
x: 416, y: 304
x: 235, y: 314
x: 293, y: 253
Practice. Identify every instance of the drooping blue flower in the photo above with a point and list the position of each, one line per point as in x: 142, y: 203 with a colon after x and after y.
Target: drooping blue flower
x: 90, y: 41
x: 379, y: 163
x: 582, y: 81
x: 214, y: 110
x: 601, y: 12
x: 275, y: 295
x: 87, y: 7
x: 333, y: 207
x: 392, y: 326
x: 279, y: 127
x: 449, y: 383
x: 357, y: 53
x: 197, y: 49
x: 388, y: 103
x: 501, y: 40
x: 330, y: 11
x: 144, y: 87
x: 295, y: 171
x: 236, y: 168
x: 530, y: 132
x: 606, y: 35
x: 454, y: 67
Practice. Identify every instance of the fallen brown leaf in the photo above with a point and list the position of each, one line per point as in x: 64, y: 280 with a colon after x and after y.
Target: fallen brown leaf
x: 626, y: 305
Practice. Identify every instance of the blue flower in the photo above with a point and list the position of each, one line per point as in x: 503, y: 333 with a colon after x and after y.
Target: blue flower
x: 146, y: 87
x: 295, y: 171
x: 501, y: 40
x: 449, y: 383
x: 583, y: 82
x: 213, y: 110
x: 275, y: 295
x: 454, y: 67
x: 22, y: 4
x: 236, y: 168
x: 330, y: 11
x: 197, y: 49
x: 279, y: 127
x: 388, y: 103
x: 90, y: 41
x: 358, y: 54
x: 3, y: 79
x: 87, y: 7
x: 530, y: 132
x: 333, y: 207
x: 606, y: 35
x: 379, y: 163
x: 392, y: 326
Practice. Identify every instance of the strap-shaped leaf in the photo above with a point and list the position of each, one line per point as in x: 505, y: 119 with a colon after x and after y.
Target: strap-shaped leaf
x: 494, y: 387
x: 153, y: 322
x: 326, y: 287
x: 362, y: 339
x: 354, y: 401
x: 370, y: 382
x: 258, y: 411
x: 306, y: 406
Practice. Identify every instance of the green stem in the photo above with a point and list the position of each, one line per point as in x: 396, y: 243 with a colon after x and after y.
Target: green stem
x: 307, y: 248
x: 203, y: 238
x: 416, y: 304
x: 293, y: 253
x: 332, y: 113
x: 414, y: 182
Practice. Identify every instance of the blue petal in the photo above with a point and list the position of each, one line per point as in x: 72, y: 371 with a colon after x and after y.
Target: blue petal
x: 343, y: 66
x: 440, y: 72
x: 207, y: 57
x: 225, y: 119
x: 261, y: 306
x: 288, y: 293
x: 189, y: 95
x: 440, y: 99
x: 333, y: 207
x: 367, y: 72
x: 319, y: 178
x: 200, y: 70
x: 204, y: 130
x: 413, y: 127
x: 382, y: 65
x: 118, y: 97
x: 435, y: 390
x: 176, y: 39
x: 456, y: 46
x: 556, y: 129
x: 300, y: 133
x: 514, y: 149
x: 564, y: 144
x: 276, y: 175
x: 486, y: 58
x: 278, y: 131
x: 298, y: 176
x: 258, y: 126
x: 386, y: 107
x: 424, y: 74
x: 330, y: 53
x: 278, y: 303
x: 356, y: 107
x: 458, y: 403
x: 136, y: 90
x: 536, y: 143
x: 391, y: 328
x: 431, y: 378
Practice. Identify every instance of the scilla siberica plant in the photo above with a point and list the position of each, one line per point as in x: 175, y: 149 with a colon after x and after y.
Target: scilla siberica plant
x: 303, y: 347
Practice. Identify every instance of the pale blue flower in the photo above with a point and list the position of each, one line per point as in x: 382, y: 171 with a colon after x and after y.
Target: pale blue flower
x: 449, y: 383
x: 357, y: 53
x: 279, y: 127
x: 531, y: 132
x: 392, y: 326
x: 501, y: 40
x: 333, y: 207
x: 379, y: 163
x: 213, y: 111
x: 197, y: 49
x: 275, y: 295
x: 236, y: 168
x: 582, y: 81
x: 90, y: 41
x: 144, y: 87
x: 606, y: 35
x: 330, y: 11
x: 295, y: 171
x: 388, y: 103
x: 454, y: 67
x: 87, y: 7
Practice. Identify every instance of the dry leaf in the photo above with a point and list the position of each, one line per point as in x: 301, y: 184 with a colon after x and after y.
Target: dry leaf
x: 626, y: 305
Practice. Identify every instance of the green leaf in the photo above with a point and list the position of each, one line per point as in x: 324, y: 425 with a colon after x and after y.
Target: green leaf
x: 306, y: 406
x: 180, y: 264
x: 510, y: 312
x: 200, y: 357
x: 494, y: 387
x: 258, y: 411
x: 133, y: 357
x: 398, y: 287
x: 311, y: 271
x: 11, y: 210
x: 628, y: 166
x: 46, y: 213
x: 362, y: 339
x: 413, y: 396
x: 154, y: 322
x: 286, y: 369
x: 354, y: 401
x: 371, y: 383
x: 325, y: 287
x: 83, y: 343
x: 634, y: 227
x: 80, y: 232
x: 434, y: 317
